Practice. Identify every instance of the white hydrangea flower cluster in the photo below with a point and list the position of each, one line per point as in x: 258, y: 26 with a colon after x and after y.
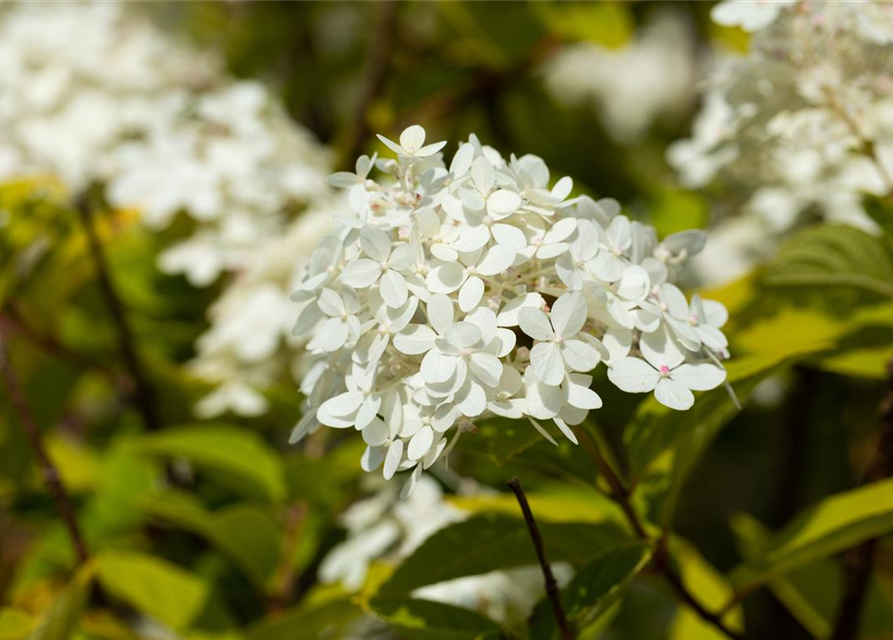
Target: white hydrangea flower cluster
x: 802, y: 124
x: 453, y: 293
x: 633, y: 86
x: 249, y: 346
x: 95, y: 93
x: 382, y: 527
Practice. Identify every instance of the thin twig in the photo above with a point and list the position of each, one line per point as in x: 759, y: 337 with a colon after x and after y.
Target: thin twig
x: 374, y: 75
x: 50, y: 473
x: 552, y: 590
x: 859, y: 561
x: 143, y: 397
x: 620, y: 494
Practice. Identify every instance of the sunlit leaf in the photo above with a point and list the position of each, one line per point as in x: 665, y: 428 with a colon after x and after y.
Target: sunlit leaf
x: 836, y: 523
x: 153, y: 586
x: 713, y: 591
x: 60, y: 620
x: 15, y: 624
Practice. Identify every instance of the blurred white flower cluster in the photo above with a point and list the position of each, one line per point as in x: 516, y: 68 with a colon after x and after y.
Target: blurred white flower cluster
x: 803, y: 124
x: 452, y: 293
x: 632, y: 86
x: 94, y: 93
x: 383, y: 527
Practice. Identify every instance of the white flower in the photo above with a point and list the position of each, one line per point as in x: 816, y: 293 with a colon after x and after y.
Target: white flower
x: 412, y: 143
x: 750, y: 15
x: 666, y: 375
x: 557, y: 349
x: 412, y: 314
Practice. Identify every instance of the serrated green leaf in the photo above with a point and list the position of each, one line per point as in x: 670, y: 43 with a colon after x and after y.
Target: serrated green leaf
x: 593, y: 590
x: 834, y: 256
x: 235, y: 456
x: 488, y: 542
x: 153, y: 586
x: 426, y: 620
x: 834, y: 524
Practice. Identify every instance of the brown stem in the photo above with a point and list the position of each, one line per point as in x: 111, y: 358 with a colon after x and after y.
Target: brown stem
x: 620, y: 494
x: 143, y: 396
x: 16, y: 323
x: 552, y: 590
x: 374, y: 75
x: 285, y: 575
x: 859, y: 561
x: 50, y: 473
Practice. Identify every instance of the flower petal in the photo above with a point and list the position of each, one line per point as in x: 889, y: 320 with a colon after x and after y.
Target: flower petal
x: 534, y: 323
x: 569, y: 314
x: 633, y: 375
x: 673, y: 394
x: 361, y: 273
x: 700, y: 377
x: 547, y: 363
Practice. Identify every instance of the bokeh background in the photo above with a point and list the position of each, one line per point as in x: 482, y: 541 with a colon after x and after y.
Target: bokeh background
x: 163, y: 184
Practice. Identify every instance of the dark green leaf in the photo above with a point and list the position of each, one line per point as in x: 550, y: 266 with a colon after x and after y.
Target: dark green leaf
x: 235, y: 456
x: 425, y: 620
x: 327, y: 620
x: 593, y: 590
x: 486, y: 543
x: 834, y: 256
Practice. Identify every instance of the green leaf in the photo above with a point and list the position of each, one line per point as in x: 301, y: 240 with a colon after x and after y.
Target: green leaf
x: 425, y: 620
x: 675, y: 211
x: 609, y: 24
x: 656, y: 429
x: 834, y: 256
x: 153, y: 586
x: 247, y: 534
x: 61, y: 619
x: 15, y: 624
x: 235, y: 456
x: 836, y: 523
x: 880, y: 208
x: 550, y: 503
x: 593, y: 590
x: 712, y: 589
x: 488, y: 542
x: 811, y: 593
x: 326, y: 620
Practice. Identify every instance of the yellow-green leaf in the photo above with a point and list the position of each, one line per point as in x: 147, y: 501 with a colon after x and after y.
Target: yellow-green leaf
x: 153, y: 586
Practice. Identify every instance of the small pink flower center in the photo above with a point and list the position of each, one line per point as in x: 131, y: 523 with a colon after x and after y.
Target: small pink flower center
x: 664, y: 370
x: 694, y: 318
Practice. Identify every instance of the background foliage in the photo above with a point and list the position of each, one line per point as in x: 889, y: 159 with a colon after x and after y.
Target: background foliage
x: 216, y: 530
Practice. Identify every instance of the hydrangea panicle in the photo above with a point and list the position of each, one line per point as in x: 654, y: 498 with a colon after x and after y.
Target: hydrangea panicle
x: 450, y: 293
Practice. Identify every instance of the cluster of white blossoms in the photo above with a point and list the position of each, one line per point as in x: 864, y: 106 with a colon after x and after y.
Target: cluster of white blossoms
x: 383, y: 528
x: 448, y: 294
x: 801, y: 126
x: 631, y: 87
x: 94, y: 93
